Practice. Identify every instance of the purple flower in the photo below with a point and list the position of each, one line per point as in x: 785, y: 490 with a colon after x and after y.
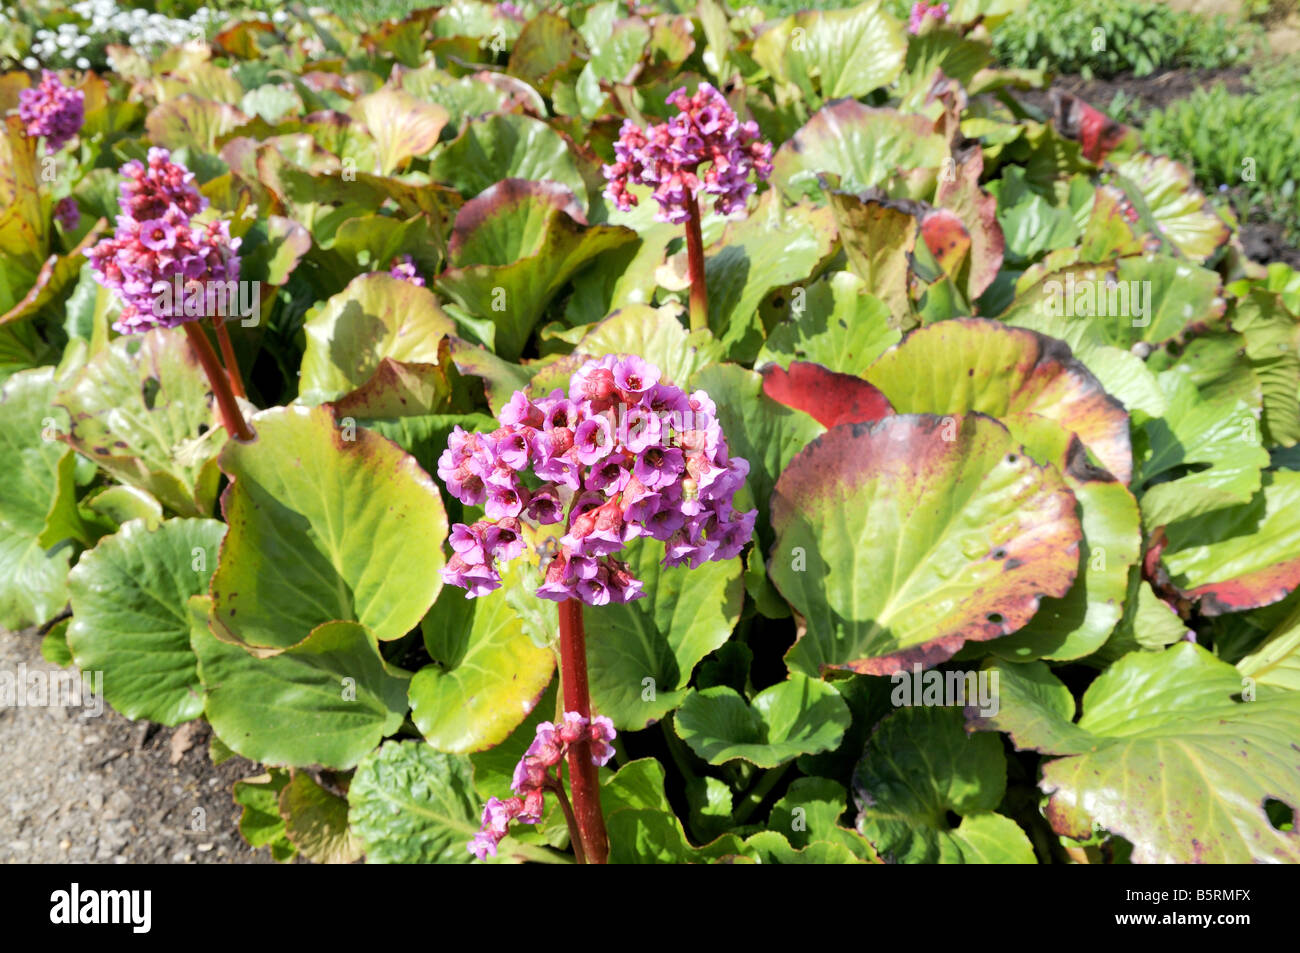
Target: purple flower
x: 66, y: 213
x: 703, y: 149
x: 159, y: 262
x: 623, y: 455
x: 602, y: 733
x: 52, y: 110
x: 921, y: 11
x: 403, y: 269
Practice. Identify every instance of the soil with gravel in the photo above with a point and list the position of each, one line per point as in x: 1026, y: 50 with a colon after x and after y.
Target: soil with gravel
x: 104, y: 790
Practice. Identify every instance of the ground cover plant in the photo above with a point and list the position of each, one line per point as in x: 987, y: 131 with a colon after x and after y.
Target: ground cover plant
x: 655, y: 435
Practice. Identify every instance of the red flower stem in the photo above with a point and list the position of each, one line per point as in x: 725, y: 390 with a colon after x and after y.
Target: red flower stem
x: 575, y: 836
x: 695, y: 263
x: 582, y: 773
x: 231, y: 417
x: 228, y: 356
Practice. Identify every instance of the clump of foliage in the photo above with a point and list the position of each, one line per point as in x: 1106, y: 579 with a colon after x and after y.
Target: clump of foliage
x: 1108, y: 37
x: 981, y: 543
x: 1248, y: 143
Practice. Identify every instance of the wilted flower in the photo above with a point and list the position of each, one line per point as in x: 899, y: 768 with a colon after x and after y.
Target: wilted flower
x: 52, y: 110
x: 533, y: 776
x: 625, y: 454
x: 66, y: 213
x: 705, y: 134
x: 158, y: 258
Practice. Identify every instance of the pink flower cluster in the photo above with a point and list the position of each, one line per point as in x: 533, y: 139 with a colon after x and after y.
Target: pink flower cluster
x: 669, y: 156
x: 921, y: 10
x: 533, y: 776
x: 52, y: 110
x: 403, y: 269
x: 156, y: 242
x: 623, y: 455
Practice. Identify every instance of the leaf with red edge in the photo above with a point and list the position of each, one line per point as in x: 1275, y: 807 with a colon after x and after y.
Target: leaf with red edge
x: 828, y: 397
x: 1239, y: 557
x: 901, y: 540
x: 947, y: 238
x: 975, y: 364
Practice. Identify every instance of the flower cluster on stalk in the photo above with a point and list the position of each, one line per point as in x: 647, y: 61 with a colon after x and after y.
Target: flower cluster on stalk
x: 669, y: 156
x: 533, y: 776
x: 921, y: 11
x: 52, y: 110
x: 623, y: 455
x: 158, y: 246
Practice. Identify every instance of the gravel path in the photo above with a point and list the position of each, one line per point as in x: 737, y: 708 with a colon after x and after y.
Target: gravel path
x: 102, y: 789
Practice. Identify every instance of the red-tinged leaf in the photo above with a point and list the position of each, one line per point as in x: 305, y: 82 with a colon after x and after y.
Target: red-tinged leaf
x: 1094, y: 130
x: 947, y: 238
x: 826, y: 396
x: 975, y: 364
x: 901, y: 540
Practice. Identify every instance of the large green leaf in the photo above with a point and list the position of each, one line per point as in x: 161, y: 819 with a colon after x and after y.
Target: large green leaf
x: 326, y: 523
x: 1078, y: 624
x: 900, y: 540
x: 33, y: 582
x: 1239, y: 557
x: 486, y: 676
x: 512, y: 146
x: 410, y: 804
x: 1276, y: 661
x: 798, y: 716
x: 836, y: 322
x: 513, y: 248
x: 375, y: 317
x: 1162, y: 756
x: 810, y: 813
x: 1202, y: 455
x: 641, y: 654
x: 654, y: 334
x: 919, y: 765
x: 1148, y: 298
x: 130, y: 617
x: 1176, y: 206
x: 828, y: 54
x: 861, y: 144
x: 758, y: 429
x: 974, y: 364
x: 142, y: 409
x: 773, y: 247
x: 328, y: 700
x: 403, y: 126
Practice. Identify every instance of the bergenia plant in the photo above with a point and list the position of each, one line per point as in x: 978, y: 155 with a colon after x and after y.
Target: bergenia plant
x: 51, y: 111
x: 625, y: 454
x: 159, y: 259
x: 704, y: 149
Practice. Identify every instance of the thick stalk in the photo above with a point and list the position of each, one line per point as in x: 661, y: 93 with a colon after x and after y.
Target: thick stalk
x: 695, y: 264
x: 228, y: 356
x: 226, y: 403
x: 582, y: 773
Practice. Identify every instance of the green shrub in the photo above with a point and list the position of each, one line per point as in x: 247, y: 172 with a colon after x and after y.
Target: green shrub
x: 1249, y: 143
x: 1064, y: 36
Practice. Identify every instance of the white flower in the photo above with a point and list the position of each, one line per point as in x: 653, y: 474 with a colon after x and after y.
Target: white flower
x: 83, y: 63
x: 30, y: 63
